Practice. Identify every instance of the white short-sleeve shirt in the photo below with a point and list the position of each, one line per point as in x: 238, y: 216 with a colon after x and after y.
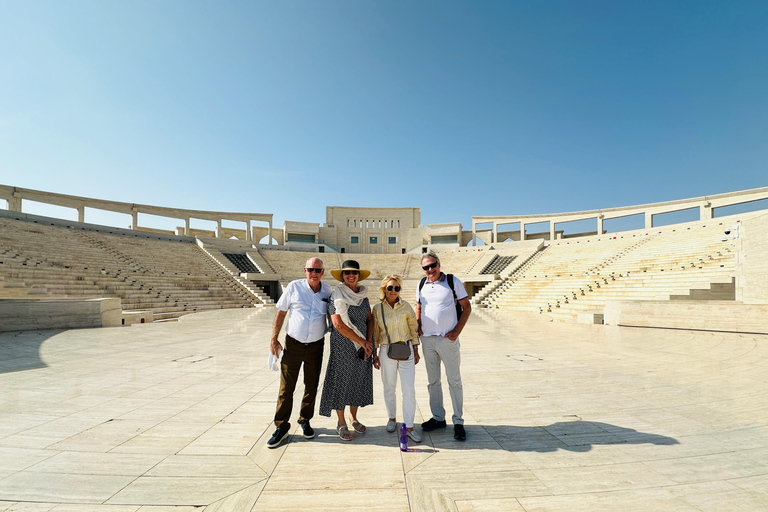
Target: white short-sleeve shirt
x: 438, y: 309
x: 306, y: 309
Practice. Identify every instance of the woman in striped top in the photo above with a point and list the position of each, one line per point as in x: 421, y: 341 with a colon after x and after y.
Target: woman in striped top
x: 394, y: 321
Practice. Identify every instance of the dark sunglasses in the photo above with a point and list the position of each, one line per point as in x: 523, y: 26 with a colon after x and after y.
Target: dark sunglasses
x: 317, y: 270
x: 430, y: 266
x: 353, y: 272
x: 390, y: 288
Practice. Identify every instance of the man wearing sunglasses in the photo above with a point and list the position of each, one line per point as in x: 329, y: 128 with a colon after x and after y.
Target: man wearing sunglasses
x: 439, y: 327
x: 307, y: 301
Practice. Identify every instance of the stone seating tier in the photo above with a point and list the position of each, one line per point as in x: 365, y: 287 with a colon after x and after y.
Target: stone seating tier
x: 573, y: 276
x: 170, y: 277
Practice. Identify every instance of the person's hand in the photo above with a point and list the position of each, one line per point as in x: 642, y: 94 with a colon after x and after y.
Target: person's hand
x: 416, y: 357
x: 452, y: 335
x: 368, y: 348
x: 421, y: 333
x: 275, y: 347
x: 376, y: 362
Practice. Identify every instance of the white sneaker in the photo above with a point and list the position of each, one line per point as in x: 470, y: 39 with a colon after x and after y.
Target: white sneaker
x: 415, y: 437
x: 391, y: 426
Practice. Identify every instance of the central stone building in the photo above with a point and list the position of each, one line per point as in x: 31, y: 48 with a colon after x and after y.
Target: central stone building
x: 371, y: 230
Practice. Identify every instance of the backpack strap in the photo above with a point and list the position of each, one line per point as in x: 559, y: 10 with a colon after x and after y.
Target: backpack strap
x: 459, y: 309
x: 421, y: 285
x: 450, y: 284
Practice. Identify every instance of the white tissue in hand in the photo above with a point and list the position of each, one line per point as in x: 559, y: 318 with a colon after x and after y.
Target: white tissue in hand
x: 273, y: 361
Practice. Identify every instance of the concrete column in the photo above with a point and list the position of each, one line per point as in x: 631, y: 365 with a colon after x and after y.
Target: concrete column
x: 522, y: 231
x: 248, y: 236
x: 81, y: 214
x: 218, y: 228
x: 705, y: 211
x: 186, y: 226
x: 135, y: 219
x: 14, y: 203
x: 495, y: 233
x: 551, y: 230
x: 600, y: 224
x: 474, y: 234
x: 270, y: 233
x: 648, y: 220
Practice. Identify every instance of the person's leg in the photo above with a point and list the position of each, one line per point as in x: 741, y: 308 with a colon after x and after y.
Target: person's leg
x: 290, y: 365
x: 313, y: 362
x: 450, y: 354
x: 407, y: 372
x: 389, y: 382
x: 341, y: 428
x: 434, y: 386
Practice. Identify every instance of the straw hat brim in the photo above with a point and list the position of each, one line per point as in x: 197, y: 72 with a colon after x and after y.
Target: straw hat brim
x: 336, y: 273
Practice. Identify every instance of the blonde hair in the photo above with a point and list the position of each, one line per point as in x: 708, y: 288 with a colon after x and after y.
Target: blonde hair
x: 384, y: 282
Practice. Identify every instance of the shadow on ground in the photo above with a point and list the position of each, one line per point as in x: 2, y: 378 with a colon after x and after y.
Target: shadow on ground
x: 20, y: 351
x: 574, y: 436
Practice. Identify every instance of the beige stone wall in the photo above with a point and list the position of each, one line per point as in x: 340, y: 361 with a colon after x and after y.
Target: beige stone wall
x: 33, y: 315
x: 727, y: 316
x: 752, y: 263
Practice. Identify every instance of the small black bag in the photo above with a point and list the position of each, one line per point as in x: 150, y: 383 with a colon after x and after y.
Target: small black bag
x: 399, y: 351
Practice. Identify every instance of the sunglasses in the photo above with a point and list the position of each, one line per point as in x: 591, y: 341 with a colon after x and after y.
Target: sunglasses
x: 316, y: 270
x: 348, y: 272
x: 430, y: 266
x: 390, y: 288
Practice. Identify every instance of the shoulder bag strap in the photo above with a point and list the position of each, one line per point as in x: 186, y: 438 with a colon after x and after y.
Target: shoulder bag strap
x: 385, y: 322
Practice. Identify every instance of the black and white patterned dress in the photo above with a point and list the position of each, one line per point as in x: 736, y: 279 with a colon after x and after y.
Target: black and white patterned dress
x: 348, y: 379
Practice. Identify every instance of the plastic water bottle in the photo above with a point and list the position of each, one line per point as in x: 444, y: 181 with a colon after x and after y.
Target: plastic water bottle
x: 403, y: 439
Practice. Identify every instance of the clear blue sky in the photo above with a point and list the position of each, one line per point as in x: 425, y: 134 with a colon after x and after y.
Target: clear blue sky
x: 460, y: 108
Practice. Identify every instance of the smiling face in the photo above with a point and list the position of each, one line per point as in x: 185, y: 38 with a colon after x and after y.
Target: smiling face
x: 394, y: 293
x: 313, y: 276
x: 350, y: 277
x: 431, y: 268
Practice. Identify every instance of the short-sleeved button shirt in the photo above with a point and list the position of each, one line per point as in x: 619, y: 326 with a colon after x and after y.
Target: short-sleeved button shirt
x: 306, y: 309
x: 438, y: 310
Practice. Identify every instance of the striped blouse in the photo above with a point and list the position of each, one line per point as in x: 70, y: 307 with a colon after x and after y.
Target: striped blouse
x: 401, y: 323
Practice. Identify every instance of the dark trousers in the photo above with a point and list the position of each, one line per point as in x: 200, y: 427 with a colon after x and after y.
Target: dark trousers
x: 295, y: 354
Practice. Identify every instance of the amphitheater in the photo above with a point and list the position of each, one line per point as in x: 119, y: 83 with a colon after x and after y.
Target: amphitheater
x: 620, y: 370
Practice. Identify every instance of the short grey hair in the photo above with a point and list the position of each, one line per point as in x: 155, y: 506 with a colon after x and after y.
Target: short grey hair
x: 431, y: 254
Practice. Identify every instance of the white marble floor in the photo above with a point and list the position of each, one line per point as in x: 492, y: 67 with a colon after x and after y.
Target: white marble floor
x: 560, y: 417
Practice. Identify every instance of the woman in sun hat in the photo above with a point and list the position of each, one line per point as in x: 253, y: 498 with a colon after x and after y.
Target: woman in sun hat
x: 349, y: 375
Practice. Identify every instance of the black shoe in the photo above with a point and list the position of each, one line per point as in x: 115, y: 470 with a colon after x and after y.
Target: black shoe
x: 309, y: 432
x: 458, y: 433
x: 278, y: 437
x: 432, y: 424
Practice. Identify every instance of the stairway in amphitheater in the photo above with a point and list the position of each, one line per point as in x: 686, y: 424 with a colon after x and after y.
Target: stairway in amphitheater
x: 168, y: 278
x: 572, y: 276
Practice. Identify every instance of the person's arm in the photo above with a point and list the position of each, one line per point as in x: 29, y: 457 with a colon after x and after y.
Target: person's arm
x: 275, y: 347
x: 418, y: 318
x: 347, y: 332
x: 466, y: 311
x: 369, y: 333
x: 413, y: 328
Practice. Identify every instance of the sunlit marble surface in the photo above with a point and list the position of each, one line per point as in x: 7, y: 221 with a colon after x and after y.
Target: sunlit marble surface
x: 176, y: 416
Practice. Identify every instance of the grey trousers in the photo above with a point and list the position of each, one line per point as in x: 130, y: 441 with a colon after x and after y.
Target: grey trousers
x: 439, y: 350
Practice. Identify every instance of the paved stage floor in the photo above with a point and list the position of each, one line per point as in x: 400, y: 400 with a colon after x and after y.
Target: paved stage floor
x: 560, y: 417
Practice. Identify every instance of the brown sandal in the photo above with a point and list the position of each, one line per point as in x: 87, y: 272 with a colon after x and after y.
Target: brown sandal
x: 344, y: 433
x: 359, y: 427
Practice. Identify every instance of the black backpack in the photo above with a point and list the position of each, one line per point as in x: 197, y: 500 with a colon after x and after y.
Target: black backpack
x: 449, y: 277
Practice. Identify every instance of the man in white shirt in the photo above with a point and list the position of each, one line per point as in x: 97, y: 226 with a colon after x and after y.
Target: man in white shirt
x: 307, y: 301
x: 439, y: 328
